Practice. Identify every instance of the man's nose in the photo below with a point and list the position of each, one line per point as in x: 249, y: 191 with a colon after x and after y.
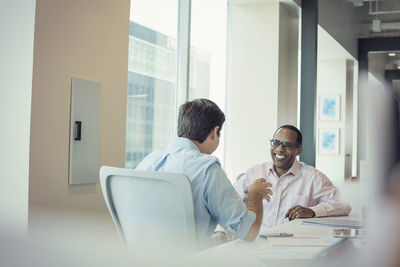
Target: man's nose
x: 280, y: 147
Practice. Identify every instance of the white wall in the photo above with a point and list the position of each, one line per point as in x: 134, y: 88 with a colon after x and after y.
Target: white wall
x: 355, y: 120
x: 288, y: 66
x: 258, y: 58
x: 16, y: 52
x: 331, y: 80
x: 329, y: 50
x: 86, y: 39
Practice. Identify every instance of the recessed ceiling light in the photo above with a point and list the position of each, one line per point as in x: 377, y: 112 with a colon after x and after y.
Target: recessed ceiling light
x: 392, y: 54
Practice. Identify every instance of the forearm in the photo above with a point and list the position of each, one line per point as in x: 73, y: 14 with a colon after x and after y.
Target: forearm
x: 331, y: 208
x: 326, y: 196
x: 255, y: 204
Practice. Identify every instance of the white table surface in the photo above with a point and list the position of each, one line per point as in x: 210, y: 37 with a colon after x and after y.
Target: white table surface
x: 260, y: 253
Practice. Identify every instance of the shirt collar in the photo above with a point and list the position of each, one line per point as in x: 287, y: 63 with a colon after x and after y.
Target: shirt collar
x: 182, y: 142
x: 295, y: 169
x: 271, y: 168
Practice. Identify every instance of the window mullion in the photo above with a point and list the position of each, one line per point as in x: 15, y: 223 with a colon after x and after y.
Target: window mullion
x: 184, y: 13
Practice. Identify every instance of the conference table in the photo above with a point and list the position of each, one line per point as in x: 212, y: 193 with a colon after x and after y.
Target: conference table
x: 308, y: 241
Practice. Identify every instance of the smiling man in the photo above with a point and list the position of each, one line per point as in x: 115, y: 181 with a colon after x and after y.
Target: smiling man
x: 299, y: 190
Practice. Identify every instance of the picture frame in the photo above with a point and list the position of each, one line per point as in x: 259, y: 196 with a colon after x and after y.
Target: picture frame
x: 329, y: 141
x: 329, y: 107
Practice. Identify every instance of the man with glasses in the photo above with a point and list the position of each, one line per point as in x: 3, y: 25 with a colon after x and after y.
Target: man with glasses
x: 299, y: 190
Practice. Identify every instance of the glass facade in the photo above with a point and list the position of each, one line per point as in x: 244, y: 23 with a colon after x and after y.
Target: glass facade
x: 152, y: 73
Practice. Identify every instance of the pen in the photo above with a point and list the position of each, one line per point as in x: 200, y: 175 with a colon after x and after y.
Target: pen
x: 276, y: 235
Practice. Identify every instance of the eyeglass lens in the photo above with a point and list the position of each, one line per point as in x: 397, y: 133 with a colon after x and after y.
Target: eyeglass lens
x: 277, y: 143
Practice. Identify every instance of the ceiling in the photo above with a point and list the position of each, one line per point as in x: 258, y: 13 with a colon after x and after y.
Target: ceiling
x: 386, y: 14
x: 391, y: 59
x: 329, y: 48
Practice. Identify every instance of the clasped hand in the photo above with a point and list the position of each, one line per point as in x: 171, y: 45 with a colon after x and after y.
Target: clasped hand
x: 299, y: 212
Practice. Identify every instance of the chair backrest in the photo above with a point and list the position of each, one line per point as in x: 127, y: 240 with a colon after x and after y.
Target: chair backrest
x: 239, y: 176
x: 152, y: 209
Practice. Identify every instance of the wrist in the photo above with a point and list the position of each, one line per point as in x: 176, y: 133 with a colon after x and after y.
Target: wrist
x: 318, y: 211
x: 255, y: 197
x: 219, y: 232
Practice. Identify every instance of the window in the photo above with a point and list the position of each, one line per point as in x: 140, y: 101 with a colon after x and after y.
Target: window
x: 152, y: 76
x: 207, y: 71
x: 208, y: 50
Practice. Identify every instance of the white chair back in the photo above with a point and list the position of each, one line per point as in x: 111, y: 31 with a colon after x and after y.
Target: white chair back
x: 152, y: 209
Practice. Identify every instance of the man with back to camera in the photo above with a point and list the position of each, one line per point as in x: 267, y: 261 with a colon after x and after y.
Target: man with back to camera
x: 215, y: 200
x: 299, y: 190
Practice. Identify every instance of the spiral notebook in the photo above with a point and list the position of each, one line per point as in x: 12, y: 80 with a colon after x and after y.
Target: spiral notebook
x: 301, y: 241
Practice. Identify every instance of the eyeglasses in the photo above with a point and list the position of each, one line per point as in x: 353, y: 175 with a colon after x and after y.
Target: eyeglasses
x: 285, y: 145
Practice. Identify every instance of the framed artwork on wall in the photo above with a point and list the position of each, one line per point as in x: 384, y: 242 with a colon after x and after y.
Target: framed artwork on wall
x: 329, y: 107
x: 328, y: 141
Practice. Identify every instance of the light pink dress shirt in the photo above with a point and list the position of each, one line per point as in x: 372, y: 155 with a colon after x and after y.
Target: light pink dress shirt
x: 301, y: 185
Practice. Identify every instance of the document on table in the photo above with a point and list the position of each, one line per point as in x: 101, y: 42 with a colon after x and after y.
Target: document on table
x: 337, y: 223
x: 301, y: 241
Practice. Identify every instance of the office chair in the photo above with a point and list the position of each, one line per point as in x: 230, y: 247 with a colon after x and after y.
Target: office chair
x: 150, y: 209
x: 239, y: 176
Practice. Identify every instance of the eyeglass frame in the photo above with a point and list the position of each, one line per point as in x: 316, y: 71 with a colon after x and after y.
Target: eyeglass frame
x: 285, y: 145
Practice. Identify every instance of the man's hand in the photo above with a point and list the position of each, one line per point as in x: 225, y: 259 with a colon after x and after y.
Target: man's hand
x: 299, y: 212
x: 260, y: 189
x: 218, y: 238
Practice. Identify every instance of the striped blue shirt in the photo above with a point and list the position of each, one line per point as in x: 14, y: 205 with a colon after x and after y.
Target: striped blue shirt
x: 215, y: 200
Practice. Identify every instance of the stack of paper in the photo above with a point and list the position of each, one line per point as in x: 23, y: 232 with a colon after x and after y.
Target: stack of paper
x: 301, y: 241
x: 334, y: 223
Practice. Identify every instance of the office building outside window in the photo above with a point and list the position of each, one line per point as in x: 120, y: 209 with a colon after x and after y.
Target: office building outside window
x: 152, y: 73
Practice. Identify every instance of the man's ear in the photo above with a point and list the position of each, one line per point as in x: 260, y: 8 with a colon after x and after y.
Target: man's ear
x: 214, y: 132
x: 299, y: 150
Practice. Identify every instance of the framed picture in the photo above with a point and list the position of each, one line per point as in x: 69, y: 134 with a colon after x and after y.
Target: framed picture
x: 328, y: 141
x: 329, y: 107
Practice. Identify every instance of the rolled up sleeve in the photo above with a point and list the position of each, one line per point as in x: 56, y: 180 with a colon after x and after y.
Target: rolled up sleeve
x: 326, y: 199
x: 225, y: 205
